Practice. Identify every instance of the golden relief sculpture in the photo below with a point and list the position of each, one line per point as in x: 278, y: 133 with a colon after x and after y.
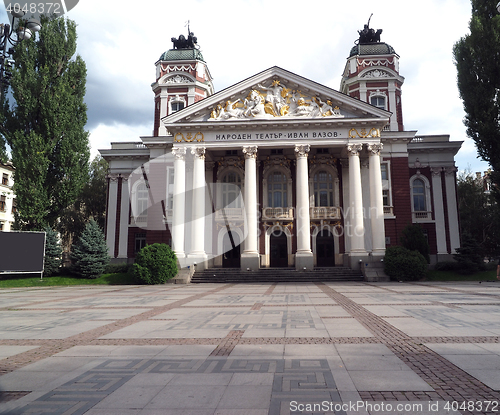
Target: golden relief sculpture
x: 373, y: 133
x: 275, y: 101
x: 189, y: 138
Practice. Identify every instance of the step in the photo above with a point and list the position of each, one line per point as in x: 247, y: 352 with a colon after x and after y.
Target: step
x: 272, y: 275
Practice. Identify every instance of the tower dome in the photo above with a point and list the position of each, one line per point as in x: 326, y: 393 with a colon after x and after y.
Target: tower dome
x: 372, y: 75
x: 374, y: 48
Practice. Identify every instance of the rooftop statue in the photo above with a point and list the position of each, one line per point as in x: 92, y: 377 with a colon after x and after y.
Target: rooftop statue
x: 182, y: 43
x: 368, y: 35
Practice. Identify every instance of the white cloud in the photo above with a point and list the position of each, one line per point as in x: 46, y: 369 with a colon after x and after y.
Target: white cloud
x: 239, y: 38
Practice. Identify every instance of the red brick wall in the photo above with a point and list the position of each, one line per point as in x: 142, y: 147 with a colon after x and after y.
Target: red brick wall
x: 400, y: 181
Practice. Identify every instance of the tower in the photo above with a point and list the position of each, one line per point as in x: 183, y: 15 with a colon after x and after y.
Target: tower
x: 182, y: 78
x: 372, y: 75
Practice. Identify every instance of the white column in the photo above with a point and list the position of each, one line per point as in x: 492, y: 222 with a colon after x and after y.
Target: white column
x: 198, y: 210
x: 356, y: 231
x: 124, y: 219
x: 179, y: 199
x: 303, y: 256
x: 111, y: 216
x: 376, y: 201
x: 250, y: 257
x: 451, y: 200
x: 437, y: 196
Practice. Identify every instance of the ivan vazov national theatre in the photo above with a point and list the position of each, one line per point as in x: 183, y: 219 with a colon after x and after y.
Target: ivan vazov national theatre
x: 278, y: 171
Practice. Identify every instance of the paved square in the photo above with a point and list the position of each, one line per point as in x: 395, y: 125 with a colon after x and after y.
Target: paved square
x: 251, y: 349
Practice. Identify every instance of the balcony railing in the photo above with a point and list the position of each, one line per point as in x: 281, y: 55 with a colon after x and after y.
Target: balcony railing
x: 388, y: 211
x: 325, y: 212
x: 229, y: 213
x: 278, y: 213
x: 421, y: 216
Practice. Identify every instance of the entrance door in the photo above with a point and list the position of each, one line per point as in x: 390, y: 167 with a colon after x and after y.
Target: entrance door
x: 325, y: 252
x: 279, y: 252
x: 231, y: 256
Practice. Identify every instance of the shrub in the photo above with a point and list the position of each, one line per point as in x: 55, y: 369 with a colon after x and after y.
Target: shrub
x: 155, y: 264
x: 53, y: 253
x: 413, y: 238
x: 90, y: 253
x: 401, y: 264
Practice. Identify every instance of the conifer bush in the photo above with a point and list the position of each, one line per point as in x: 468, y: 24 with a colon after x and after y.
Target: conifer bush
x: 90, y: 253
x: 155, y: 264
x: 53, y: 253
x: 401, y: 264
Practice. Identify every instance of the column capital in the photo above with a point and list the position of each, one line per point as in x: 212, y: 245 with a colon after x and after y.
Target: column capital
x: 436, y: 171
x: 250, y: 152
x: 301, y: 150
x: 374, y: 149
x: 179, y: 152
x: 198, y: 152
x: 450, y: 170
x: 354, y: 149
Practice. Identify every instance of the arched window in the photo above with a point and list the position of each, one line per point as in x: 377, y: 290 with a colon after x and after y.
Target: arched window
x: 323, y: 189
x: 277, y: 190
x: 419, y: 197
x: 231, y: 189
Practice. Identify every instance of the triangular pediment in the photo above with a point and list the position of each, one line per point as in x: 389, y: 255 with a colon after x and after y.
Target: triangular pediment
x: 276, y: 96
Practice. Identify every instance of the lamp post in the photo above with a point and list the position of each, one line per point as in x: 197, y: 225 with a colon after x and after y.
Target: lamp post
x: 7, y: 41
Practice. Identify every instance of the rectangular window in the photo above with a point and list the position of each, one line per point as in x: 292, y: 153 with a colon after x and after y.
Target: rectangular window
x: 385, y: 197
x: 5, y: 179
x: 140, y: 241
x: 383, y: 170
x: 276, y: 151
x: 177, y: 106
x: 3, y: 206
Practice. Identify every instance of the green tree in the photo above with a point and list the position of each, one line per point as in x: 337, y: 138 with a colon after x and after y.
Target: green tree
x: 90, y: 253
x: 479, y: 214
x: 90, y: 204
x: 44, y: 128
x: 477, y: 58
x: 53, y: 253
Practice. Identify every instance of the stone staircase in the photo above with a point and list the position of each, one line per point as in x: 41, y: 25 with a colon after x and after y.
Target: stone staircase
x: 272, y: 275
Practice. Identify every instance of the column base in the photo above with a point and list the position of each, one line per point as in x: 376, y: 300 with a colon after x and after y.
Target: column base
x: 198, y: 261
x: 250, y: 261
x: 304, y: 261
x: 356, y: 259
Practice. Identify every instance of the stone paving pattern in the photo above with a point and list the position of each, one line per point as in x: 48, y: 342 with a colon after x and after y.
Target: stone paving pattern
x: 251, y: 349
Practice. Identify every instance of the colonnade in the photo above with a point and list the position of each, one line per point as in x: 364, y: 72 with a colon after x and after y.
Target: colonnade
x: 250, y: 257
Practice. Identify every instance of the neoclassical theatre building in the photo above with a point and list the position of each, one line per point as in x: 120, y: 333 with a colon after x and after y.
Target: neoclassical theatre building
x: 278, y: 170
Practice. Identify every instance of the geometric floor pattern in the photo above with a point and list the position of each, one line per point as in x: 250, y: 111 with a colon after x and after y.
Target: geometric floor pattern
x: 251, y: 349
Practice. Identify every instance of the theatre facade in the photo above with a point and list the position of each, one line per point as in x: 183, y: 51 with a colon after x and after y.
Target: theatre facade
x: 280, y: 171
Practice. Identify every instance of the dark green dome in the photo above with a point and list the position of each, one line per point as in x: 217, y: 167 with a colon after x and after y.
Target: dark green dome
x: 377, y: 48
x: 182, y: 55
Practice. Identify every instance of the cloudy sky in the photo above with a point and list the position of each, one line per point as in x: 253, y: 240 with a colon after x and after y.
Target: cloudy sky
x: 121, y: 41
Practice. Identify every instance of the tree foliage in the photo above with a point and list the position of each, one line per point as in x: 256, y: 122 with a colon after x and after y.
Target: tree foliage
x: 477, y: 58
x: 90, y: 204
x: 479, y: 215
x: 90, y: 252
x: 53, y: 253
x: 44, y: 127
